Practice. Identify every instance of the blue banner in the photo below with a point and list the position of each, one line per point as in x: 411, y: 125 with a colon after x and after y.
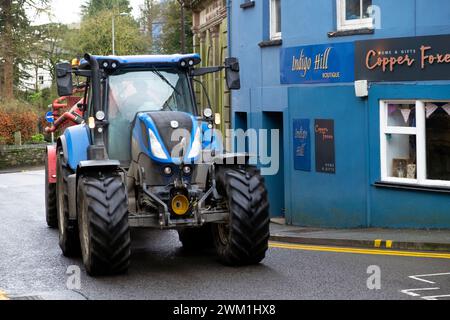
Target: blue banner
x: 329, y: 63
x: 302, y: 145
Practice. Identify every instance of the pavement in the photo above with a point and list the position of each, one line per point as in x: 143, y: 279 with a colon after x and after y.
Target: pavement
x: 399, y: 239
x: 21, y: 169
x: 33, y: 268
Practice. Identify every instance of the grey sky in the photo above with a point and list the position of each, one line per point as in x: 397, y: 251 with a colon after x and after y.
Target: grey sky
x: 68, y: 11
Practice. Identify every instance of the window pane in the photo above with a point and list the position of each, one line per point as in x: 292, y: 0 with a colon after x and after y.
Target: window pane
x: 353, y: 9
x: 278, y: 16
x: 275, y: 16
x: 366, y: 5
x: 402, y: 115
x: 438, y: 141
x: 401, y: 156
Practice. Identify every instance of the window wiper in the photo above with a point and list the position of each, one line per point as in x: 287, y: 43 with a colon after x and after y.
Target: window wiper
x: 163, y: 78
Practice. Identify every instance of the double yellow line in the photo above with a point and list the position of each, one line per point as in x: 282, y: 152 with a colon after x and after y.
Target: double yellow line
x: 279, y: 245
x: 3, y: 295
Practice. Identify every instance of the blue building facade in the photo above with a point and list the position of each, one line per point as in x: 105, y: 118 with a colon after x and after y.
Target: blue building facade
x: 364, y: 120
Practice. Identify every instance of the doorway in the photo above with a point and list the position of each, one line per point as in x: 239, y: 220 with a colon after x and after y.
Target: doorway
x: 275, y: 183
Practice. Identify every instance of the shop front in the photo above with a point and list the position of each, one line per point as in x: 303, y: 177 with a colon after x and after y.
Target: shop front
x: 370, y: 133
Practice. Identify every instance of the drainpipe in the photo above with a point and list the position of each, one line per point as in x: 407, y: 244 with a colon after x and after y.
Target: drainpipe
x: 229, y: 5
x: 229, y: 8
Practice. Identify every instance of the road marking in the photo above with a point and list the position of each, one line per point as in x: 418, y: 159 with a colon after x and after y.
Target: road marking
x: 418, y: 277
x: 436, y: 297
x: 3, y: 295
x: 410, y: 292
x: 288, y: 246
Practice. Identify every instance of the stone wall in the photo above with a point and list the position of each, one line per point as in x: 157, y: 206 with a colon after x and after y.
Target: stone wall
x: 21, y: 156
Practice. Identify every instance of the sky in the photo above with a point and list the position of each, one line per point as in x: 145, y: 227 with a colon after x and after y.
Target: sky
x: 68, y: 11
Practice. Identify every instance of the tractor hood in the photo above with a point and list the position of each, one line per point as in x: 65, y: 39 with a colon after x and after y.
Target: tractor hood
x: 168, y: 137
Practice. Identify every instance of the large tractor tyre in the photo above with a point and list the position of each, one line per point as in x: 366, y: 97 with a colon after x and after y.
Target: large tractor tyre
x: 103, y: 224
x: 51, y: 214
x: 69, y: 241
x: 244, y: 239
x: 197, y: 239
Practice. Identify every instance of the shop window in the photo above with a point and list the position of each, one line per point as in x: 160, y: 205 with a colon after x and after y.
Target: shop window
x: 275, y: 19
x: 438, y: 141
x: 354, y: 15
x: 415, y: 142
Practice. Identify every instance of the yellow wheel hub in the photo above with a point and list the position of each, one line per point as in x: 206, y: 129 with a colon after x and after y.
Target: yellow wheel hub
x: 180, y: 205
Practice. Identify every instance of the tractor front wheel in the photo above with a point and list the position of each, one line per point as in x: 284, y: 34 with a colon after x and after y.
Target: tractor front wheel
x: 244, y: 239
x: 103, y: 224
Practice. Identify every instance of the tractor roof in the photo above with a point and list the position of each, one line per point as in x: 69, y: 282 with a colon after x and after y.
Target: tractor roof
x: 145, y: 60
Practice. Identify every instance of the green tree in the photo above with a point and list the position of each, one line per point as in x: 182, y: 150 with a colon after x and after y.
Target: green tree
x: 17, y: 38
x: 95, y: 35
x: 171, y: 27
x: 93, y: 7
x: 51, y: 46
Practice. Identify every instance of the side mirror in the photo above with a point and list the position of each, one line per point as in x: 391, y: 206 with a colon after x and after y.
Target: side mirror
x: 232, y: 73
x: 64, y: 79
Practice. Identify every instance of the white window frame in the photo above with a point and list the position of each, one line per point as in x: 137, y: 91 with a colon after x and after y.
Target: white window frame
x: 420, y: 132
x: 345, y: 25
x: 273, y: 22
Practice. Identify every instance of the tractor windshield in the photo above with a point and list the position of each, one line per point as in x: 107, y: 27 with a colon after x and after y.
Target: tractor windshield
x: 148, y: 90
x: 142, y: 91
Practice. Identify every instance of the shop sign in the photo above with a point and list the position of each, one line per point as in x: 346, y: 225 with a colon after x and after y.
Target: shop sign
x: 403, y: 59
x: 325, y: 146
x: 302, y: 145
x: 330, y: 63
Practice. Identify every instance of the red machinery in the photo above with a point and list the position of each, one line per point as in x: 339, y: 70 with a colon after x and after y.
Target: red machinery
x: 67, y: 111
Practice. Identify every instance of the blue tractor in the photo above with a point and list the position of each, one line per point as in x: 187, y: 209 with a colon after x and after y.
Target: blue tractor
x: 144, y: 155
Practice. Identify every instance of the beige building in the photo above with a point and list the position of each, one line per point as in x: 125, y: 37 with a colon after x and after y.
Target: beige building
x: 211, y: 42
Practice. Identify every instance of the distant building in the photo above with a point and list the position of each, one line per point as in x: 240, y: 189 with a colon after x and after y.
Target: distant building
x: 364, y: 119
x: 38, y: 76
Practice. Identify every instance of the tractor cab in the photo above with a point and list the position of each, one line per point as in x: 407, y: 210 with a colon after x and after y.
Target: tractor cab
x: 142, y: 84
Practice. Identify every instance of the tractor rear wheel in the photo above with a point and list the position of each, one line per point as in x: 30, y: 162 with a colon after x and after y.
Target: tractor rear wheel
x: 51, y: 214
x: 244, y: 239
x: 103, y: 224
x: 196, y: 239
x: 69, y: 242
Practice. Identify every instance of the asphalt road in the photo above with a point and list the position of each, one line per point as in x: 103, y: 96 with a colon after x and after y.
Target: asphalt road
x: 32, y: 266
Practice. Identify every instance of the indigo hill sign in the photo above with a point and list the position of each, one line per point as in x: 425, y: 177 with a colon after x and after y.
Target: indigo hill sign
x: 403, y: 59
x: 331, y: 63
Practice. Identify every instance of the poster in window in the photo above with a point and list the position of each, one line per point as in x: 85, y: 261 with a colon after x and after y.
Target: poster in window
x: 302, y: 145
x: 325, y: 146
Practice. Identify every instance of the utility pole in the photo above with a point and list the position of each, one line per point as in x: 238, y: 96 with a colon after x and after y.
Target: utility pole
x: 183, y: 27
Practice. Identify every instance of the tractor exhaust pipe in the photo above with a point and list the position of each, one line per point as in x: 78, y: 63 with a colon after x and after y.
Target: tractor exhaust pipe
x: 97, y: 150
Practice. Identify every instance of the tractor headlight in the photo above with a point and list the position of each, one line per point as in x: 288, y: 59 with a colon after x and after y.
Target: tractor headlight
x: 168, y: 171
x: 156, y: 147
x: 187, y: 170
x: 196, y: 145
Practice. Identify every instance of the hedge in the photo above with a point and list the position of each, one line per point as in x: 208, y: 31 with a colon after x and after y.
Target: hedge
x: 12, y: 121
